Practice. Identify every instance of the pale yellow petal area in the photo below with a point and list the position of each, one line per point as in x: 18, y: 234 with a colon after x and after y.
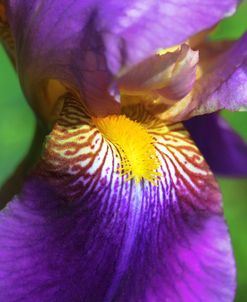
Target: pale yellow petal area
x: 163, y: 83
x: 168, y: 75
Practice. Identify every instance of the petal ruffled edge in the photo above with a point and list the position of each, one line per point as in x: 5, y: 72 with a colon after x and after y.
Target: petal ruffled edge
x: 223, y: 84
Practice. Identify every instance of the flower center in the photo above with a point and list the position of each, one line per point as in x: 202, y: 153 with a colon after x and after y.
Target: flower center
x: 134, y: 144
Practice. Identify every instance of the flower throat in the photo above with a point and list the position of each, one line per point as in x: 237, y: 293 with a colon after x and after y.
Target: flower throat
x: 134, y: 144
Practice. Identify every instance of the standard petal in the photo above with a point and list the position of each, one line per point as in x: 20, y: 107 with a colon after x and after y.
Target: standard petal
x: 84, y: 43
x: 168, y: 76
x: 224, y: 150
x: 80, y: 232
x: 223, y: 84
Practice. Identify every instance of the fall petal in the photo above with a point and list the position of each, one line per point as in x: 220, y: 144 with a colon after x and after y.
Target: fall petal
x: 81, y: 232
x: 52, y: 250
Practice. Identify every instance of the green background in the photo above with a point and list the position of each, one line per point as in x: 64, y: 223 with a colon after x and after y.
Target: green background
x: 17, y: 128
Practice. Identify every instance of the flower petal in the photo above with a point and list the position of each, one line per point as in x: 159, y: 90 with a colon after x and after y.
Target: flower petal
x: 80, y: 232
x: 223, y: 149
x: 84, y: 43
x: 221, y: 82
x: 169, y: 76
x: 224, y: 82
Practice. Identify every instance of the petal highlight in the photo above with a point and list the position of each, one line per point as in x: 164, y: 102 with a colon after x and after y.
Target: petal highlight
x: 223, y: 84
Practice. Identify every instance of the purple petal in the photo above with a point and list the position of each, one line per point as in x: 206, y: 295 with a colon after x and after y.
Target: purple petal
x: 84, y: 43
x: 224, y: 83
x: 223, y: 149
x: 80, y: 232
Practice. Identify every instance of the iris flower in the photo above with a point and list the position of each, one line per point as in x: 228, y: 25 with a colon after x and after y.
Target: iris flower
x: 122, y: 205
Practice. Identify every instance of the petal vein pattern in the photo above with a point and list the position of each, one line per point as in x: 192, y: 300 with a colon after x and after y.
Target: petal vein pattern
x: 80, y: 232
x: 90, y: 158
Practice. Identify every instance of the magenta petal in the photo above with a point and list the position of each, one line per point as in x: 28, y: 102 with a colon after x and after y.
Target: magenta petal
x: 224, y: 150
x: 84, y: 43
x: 80, y: 232
x: 224, y: 84
x: 52, y: 250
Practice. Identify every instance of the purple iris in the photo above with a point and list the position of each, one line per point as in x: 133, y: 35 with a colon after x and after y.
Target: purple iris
x: 122, y: 206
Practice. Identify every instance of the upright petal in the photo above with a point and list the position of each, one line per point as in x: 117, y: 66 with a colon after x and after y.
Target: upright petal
x: 224, y: 150
x: 81, y: 232
x: 169, y: 76
x: 223, y: 84
x: 84, y: 43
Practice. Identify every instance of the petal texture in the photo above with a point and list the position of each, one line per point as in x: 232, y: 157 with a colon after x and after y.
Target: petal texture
x: 82, y: 43
x: 224, y: 150
x: 80, y: 232
x: 224, y: 82
x: 169, y: 76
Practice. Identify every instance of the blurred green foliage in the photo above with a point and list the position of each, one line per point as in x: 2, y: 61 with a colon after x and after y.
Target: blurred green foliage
x: 17, y: 128
x: 234, y: 26
x: 16, y: 122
